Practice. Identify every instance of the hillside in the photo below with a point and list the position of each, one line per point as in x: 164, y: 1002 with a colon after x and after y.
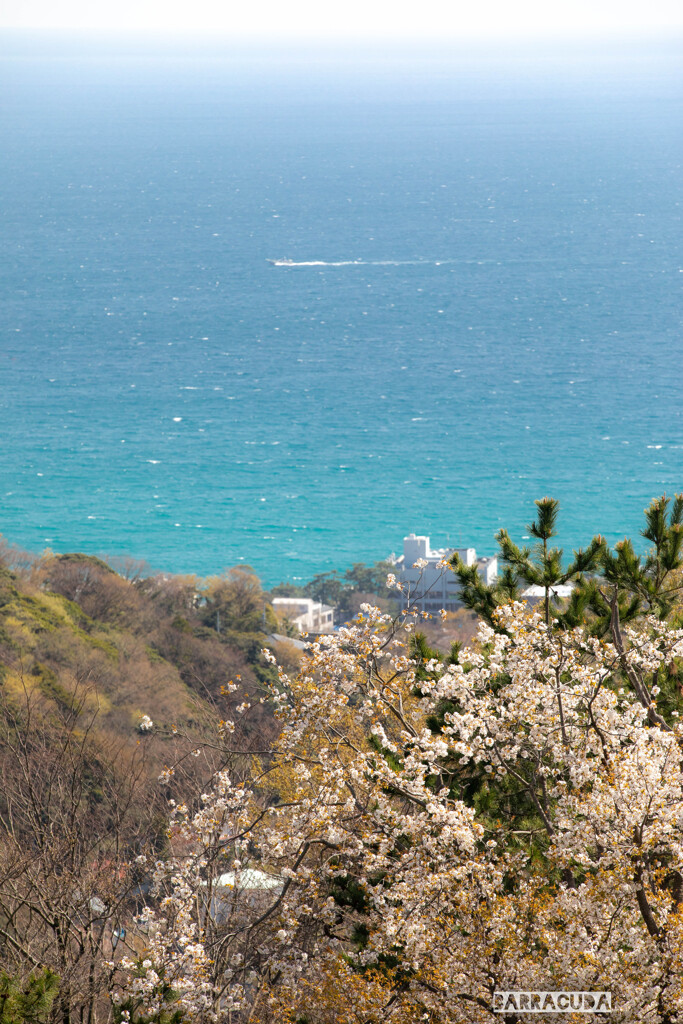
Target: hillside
x: 82, y: 645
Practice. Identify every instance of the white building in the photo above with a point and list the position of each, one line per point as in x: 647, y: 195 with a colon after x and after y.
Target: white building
x: 434, y: 586
x: 308, y: 615
x: 235, y: 891
x: 560, y: 592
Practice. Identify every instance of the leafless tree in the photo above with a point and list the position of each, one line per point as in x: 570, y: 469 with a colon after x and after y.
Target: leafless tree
x: 70, y: 828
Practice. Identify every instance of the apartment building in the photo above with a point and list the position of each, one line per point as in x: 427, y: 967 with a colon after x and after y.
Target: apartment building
x: 434, y: 586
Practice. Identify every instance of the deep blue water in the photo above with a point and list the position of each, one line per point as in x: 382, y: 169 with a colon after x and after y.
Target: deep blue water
x: 512, y: 327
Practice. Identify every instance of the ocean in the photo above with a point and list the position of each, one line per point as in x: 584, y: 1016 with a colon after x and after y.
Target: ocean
x: 483, y: 304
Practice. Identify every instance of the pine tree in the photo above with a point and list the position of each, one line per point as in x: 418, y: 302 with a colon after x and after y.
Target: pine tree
x: 30, y: 1002
x: 607, y: 583
x: 539, y: 566
x: 651, y: 581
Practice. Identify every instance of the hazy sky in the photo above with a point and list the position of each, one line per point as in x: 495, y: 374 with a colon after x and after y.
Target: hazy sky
x: 355, y: 18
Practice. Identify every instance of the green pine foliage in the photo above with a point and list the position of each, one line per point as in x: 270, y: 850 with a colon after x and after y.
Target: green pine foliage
x: 542, y: 566
x: 29, y: 1001
x: 652, y: 580
x: 650, y: 583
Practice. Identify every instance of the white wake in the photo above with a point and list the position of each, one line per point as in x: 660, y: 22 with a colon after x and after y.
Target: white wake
x: 360, y: 263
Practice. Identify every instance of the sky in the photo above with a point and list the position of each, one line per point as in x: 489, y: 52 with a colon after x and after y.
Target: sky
x: 355, y: 19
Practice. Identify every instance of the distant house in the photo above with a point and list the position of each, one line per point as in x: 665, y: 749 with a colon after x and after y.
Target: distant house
x: 534, y: 594
x: 280, y: 638
x: 433, y: 586
x: 307, y: 615
x: 235, y: 891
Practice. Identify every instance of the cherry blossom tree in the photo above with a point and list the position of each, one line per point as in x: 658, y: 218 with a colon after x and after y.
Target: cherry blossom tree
x: 428, y: 830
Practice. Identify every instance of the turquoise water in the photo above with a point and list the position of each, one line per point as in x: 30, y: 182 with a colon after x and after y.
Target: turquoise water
x: 486, y: 305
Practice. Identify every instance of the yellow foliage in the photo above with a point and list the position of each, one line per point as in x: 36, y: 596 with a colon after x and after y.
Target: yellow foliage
x: 19, y: 631
x: 55, y: 604
x: 17, y: 685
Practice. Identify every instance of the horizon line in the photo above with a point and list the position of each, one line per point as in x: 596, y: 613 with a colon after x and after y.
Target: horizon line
x: 247, y: 43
